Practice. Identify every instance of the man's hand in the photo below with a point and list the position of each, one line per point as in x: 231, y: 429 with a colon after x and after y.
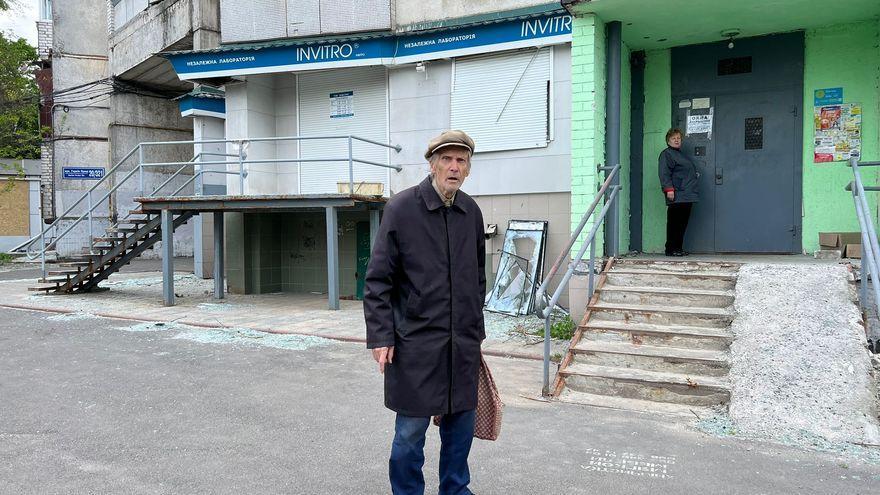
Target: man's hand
x: 383, y: 355
x: 670, y: 195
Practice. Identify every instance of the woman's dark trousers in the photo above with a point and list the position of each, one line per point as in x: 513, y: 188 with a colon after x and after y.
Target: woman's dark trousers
x: 677, y: 216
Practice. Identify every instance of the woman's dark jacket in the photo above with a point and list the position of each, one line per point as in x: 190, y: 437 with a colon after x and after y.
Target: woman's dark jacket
x: 424, y: 293
x: 679, y: 173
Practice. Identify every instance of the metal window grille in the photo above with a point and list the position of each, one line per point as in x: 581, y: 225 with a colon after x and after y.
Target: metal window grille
x: 754, y: 133
x: 732, y: 66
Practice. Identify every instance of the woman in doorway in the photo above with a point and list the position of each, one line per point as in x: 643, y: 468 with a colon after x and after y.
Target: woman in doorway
x: 678, y: 178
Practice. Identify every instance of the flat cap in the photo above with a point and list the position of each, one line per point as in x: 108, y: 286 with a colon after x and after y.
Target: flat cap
x: 450, y: 138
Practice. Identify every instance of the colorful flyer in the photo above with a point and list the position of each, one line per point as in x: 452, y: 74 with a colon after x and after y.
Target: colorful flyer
x: 837, y: 133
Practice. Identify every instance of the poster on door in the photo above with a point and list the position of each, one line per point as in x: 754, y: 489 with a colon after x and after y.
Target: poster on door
x: 342, y: 105
x: 837, y: 132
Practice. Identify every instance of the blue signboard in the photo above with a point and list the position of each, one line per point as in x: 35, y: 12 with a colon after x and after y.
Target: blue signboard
x: 389, y: 50
x: 411, y: 48
x: 282, y: 58
x: 83, y: 173
x: 827, y: 96
x: 202, y: 106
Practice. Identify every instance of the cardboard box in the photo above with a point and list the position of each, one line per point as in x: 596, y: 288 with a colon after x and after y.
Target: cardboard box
x: 835, y: 240
x: 853, y: 251
x: 362, y: 188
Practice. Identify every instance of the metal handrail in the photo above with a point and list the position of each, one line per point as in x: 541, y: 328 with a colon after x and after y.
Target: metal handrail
x: 544, y: 306
x: 870, y: 247
x: 241, y: 161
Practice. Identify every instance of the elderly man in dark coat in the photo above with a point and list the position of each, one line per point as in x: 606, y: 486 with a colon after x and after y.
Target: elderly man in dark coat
x: 423, y: 305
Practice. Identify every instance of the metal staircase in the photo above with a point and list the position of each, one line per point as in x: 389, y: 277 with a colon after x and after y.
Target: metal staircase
x: 139, y: 229
x: 121, y: 243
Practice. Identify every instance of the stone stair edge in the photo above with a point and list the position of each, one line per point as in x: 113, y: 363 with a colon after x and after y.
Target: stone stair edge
x: 618, y: 270
x: 625, y: 326
x: 665, y: 290
x: 646, y: 376
x: 642, y: 308
x: 636, y: 405
x: 627, y: 348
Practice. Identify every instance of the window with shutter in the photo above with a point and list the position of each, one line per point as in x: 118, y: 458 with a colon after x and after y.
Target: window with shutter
x: 502, y: 100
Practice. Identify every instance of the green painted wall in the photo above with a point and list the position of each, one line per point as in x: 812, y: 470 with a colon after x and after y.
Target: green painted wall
x: 658, y: 118
x: 588, y: 113
x: 839, y: 56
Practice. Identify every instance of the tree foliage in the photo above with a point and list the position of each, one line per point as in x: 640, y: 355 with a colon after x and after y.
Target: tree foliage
x: 19, y: 99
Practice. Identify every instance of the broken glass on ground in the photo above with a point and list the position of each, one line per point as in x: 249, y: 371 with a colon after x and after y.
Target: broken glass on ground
x: 519, y: 268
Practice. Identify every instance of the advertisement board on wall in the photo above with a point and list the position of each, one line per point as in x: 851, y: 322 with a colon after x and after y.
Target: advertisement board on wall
x: 837, y: 132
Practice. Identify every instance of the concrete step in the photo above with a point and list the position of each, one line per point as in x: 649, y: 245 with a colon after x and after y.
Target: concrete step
x: 663, y: 315
x: 646, y: 277
x: 678, y: 266
x: 644, y: 357
x: 692, y: 390
x: 643, y: 406
x: 689, y: 337
x: 677, y: 296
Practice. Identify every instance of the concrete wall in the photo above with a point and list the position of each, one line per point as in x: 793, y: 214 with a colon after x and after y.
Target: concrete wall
x: 251, y: 113
x: 844, y: 56
x: 79, y: 56
x: 551, y: 207
x: 151, y: 31
x: 137, y: 119
x: 207, y: 128
x: 287, y: 252
x: 251, y: 20
x: 80, y: 28
x: 420, y: 109
x: 417, y: 11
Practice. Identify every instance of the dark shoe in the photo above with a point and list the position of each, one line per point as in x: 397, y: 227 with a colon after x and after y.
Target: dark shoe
x: 678, y: 253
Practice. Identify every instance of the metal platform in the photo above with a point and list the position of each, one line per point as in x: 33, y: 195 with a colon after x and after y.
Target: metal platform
x: 167, y: 206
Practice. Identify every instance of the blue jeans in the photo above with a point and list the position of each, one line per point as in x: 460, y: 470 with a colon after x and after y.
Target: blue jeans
x: 408, y: 454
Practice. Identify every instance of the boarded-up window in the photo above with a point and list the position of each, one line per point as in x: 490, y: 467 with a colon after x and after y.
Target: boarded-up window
x: 502, y: 101
x: 14, y: 208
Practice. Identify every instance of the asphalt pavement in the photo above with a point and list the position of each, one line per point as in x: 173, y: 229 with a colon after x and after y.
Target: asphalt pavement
x: 91, y: 405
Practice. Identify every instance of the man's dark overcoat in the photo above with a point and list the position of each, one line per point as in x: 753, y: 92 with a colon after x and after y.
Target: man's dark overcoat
x: 424, y: 293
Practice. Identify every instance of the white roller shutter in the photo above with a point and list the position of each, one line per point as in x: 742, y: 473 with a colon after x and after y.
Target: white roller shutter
x: 502, y: 100
x: 369, y: 119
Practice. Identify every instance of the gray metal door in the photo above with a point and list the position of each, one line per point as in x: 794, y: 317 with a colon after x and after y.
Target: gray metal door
x: 749, y: 155
x: 700, y: 147
x: 754, y: 173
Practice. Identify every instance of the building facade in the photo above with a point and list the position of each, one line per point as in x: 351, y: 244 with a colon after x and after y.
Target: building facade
x: 498, y: 70
x: 772, y: 98
x: 104, y: 91
x: 19, y: 201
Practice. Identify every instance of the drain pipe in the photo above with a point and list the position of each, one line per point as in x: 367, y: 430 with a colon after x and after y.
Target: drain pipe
x: 612, y: 139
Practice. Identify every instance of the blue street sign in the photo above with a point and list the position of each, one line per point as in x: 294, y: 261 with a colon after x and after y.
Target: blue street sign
x: 83, y: 173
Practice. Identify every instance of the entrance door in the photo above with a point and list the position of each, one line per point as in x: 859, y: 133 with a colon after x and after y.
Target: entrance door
x: 739, y: 109
x: 754, y: 173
